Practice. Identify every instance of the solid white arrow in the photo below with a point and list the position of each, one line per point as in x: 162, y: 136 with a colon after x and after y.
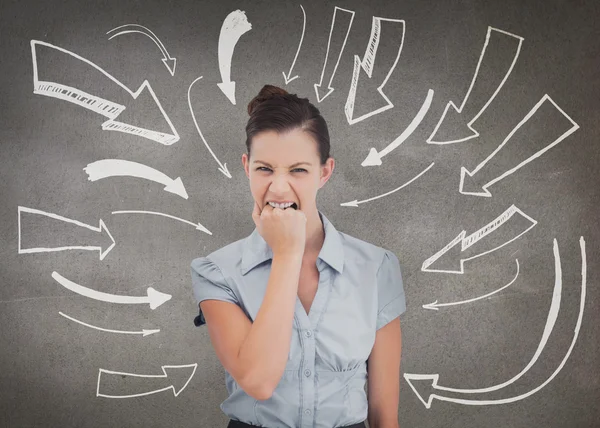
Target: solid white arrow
x: 222, y: 166
x: 330, y: 89
x: 234, y: 26
x: 118, y: 167
x: 143, y: 332
x: 435, y: 305
x: 484, y: 189
x: 154, y: 298
x: 355, y: 202
x: 374, y: 157
x: 473, y: 133
x: 468, y: 241
x: 367, y: 64
x: 101, y: 227
x: 119, y: 375
x: 169, y: 61
x: 287, y: 77
x: 198, y: 226
x: 552, y: 315
x: 97, y: 104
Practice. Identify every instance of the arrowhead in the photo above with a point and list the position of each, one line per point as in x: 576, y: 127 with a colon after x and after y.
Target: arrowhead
x: 424, y: 383
x: 170, y: 63
x: 468, y: 185
x: 353, y: 203
x: 228, y: 88
x: 203, y: 229
x: 224, y: 170
x: 321, y: 95
x: 179, y: 376
x: 433, y: 306
x: 156, y: 298
x: 177, y: 187
x: 372, y: 158
x: 149, y: 332
x: 452, y: 127
x: 288, y: 79
x: 104, y: 229
x: 446, y: 260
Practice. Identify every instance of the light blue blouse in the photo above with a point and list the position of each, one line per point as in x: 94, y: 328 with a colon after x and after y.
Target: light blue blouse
x: 323, y: 386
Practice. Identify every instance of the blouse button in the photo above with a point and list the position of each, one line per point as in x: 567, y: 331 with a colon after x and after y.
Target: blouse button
x: 307, y: 372
x: 308, y: 333
x: 307, y: 412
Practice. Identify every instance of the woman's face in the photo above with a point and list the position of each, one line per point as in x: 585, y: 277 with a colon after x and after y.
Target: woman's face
x: 286, y: 167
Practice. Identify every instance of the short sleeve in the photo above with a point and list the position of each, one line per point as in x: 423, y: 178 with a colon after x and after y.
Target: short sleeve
x: 391, y: 300
x: 208, y: 282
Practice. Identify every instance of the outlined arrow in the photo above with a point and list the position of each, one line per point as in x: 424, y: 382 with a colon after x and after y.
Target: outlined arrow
x: 117, y: 378
x: 423, y: 380
x: 367, y: 64
x: 435, y: 305
x: 167, y: 59
x: 118, y: 167
x: 287, y: 77
x: 234, y: 26
x: 198, y: 226
x: 97, y: 104
x: 530, y: 130
x: 100, y: 229
x: 374, y: 157
x: 222, y: 166
x: 143, y: 332
x: 468, y: 241
x: 154, y: 298
x: 334, y: 20
x: 355, y: 202
x: 481, y: 95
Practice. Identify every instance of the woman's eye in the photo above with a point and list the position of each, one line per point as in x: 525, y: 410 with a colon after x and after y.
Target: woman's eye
x: 264, y: 168
x: 299, y: 169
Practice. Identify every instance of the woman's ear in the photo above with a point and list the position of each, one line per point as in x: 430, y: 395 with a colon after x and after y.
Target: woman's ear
x: 245, y: 163
x: 326, y: 171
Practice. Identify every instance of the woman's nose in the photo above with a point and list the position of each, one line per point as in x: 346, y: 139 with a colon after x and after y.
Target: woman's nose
x: 280, y: 184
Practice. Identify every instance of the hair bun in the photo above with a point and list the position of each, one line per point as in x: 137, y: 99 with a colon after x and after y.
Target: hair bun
x: 267, y: 91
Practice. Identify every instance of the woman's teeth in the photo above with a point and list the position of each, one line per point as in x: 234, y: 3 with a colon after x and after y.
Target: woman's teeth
x: 283, y: 206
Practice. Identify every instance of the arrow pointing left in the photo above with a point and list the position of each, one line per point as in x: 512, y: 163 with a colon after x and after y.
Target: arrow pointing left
x: 100, y: 229
x: 154, y: 298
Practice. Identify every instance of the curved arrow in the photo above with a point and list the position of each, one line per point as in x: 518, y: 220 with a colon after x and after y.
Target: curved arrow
x: 234, y: 26
x: 118, y: 167
x: 553, y: 313
x: 143, y: 332
x: 154, y: 298
x: 169, y: 61
x: 222, y: 166
x: 287, y: 78
x: 198, y: 226
x: 435, y: 305
x: 355, y: 202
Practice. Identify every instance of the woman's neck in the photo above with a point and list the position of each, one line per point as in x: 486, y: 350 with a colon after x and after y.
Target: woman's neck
x: 315, y: 235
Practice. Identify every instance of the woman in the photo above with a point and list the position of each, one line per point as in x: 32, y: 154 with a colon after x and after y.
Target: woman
x: 298, y: 311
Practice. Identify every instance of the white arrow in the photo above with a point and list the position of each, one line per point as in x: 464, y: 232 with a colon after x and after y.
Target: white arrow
x: 103, y: 373
x: 367, y: 64
x: 464, y: 173
x: 97, y: 104
x: 458, y: 110
x: 435, y: 305
x: 287, y: 77
x: 355, y: 202
x: 143, y: 332
x: 330, y: 89
x: 222, y: 166
x: 100, y: 229
x: 234, y: 26
x: 468, y: 241
x: 374, y: 157
x: 154, y: 298
x: 414, y: 379
x: 169, y: 61
x: 118, y: 167
x: 198, y: 226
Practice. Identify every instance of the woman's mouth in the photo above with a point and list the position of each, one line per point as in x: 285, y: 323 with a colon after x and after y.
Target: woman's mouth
x: 284, y: 206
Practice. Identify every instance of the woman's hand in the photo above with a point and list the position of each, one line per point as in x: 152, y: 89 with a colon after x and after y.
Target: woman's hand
x: 283, y: 230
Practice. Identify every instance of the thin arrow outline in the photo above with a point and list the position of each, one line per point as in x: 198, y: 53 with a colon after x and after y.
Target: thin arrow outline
x: 143, y: 332
x: 286, y: 79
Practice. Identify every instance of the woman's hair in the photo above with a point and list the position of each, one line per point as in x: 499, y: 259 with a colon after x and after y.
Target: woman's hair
x: 277, y: 110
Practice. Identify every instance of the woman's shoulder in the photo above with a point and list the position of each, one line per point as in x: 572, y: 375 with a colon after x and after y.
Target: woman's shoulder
x: 220, y: 260
x: 359, y: 249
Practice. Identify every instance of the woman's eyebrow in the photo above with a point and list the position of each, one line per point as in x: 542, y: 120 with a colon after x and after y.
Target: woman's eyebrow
x: 291, y: 166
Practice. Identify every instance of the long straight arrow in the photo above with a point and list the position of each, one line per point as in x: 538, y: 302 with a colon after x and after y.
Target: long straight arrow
x: 143, y: 332
x: 154, y: 298
x: 287, y: 77
x: 169, y: 61
x: 118, y: 167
